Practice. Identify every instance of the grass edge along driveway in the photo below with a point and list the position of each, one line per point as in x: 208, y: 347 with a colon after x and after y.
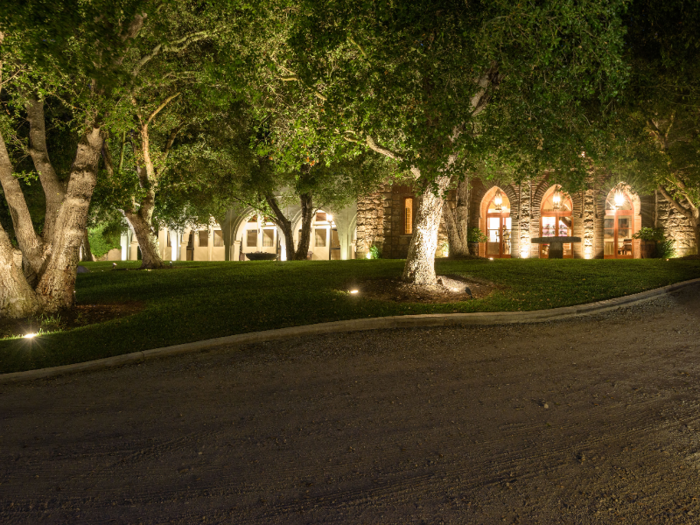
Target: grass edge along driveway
x: 203, y: 300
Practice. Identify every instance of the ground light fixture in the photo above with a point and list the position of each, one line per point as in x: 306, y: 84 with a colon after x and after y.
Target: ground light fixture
x: 490, y: 258
x: 355, y: 291
x: 30, y: 335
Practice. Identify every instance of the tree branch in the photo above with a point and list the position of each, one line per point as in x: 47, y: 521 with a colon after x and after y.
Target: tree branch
x: 678, y: 207
x: 173, y: 47
x: 159, y: 108
x: 53, y: 189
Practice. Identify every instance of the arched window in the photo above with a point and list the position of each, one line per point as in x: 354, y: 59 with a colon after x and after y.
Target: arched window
x: 556, y: 220
x: 618, y: 226
x: 498, y: 225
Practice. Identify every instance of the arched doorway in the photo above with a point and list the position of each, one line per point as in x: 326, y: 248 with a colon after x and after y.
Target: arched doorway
x: 498, y: 224
x: 556, y: 220
x: 618, y: 226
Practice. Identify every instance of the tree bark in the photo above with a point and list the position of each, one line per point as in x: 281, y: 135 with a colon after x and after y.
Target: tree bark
x: 17, y: 298
x: 140, y: 224
x: 457, y: 221
x: 87, y: 252
x: 57, y: 284
x: 53, y: 189
x: 283, y: 223
x: 307, y: 215
x: 420, y: 262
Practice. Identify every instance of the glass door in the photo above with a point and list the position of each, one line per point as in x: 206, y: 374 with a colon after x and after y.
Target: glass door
x: 617, y: 236
x: 498, y: 231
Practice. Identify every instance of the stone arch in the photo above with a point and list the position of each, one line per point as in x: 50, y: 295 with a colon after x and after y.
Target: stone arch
x: 486, y: 195
x: 608, y: 189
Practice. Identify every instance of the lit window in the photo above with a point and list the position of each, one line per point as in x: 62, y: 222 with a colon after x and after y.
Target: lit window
x: 251, y: 240
x: 203, y: 238
x: 321, y: 234
x: 408, y: 216
x: 218, y: 238
x: 268, y: 238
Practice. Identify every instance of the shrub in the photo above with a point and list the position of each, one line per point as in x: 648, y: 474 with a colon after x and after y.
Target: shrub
x: 375, y: 252
x: 103, y: 239
x: 476, y: 235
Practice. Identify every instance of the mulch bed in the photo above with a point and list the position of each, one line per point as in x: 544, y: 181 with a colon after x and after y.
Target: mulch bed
x: 450, y: 289
x: 79, y: 315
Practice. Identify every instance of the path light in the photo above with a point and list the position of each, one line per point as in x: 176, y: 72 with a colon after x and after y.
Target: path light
x: 498, y: 200
x: 619, y: 199
x: 490, y: 258
x: 369, y: 255
x: 32, y: 335
x: 358, y: 291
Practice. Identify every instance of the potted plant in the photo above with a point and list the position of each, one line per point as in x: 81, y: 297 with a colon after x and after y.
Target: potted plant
x: 474, y: 237
x: 649, y: 238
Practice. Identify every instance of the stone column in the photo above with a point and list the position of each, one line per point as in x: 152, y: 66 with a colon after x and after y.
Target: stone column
x: 524, y: 219
x: 588, y: 224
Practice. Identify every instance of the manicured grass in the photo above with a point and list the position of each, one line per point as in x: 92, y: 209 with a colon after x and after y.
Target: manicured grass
x: 200, y: 300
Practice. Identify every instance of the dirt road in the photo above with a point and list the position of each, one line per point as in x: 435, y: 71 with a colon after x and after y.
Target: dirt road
x: 587, y: 421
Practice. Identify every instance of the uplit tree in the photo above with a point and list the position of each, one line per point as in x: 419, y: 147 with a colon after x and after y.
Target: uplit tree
x: 91, y: 58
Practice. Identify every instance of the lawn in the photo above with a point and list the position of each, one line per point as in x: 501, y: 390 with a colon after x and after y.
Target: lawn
x: 201, y: 300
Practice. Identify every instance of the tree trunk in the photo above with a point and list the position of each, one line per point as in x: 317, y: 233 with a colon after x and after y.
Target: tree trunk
x: 457, y: 221
x: 17, y: 298
x: 140, y: 224
x: 420, y: 262
x: 284, y: 224
x: 57, y: 284
x: 87, y: 252
x: 307, y: 215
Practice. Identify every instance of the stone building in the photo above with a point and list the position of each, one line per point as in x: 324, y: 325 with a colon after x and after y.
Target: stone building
x: 606, y: 216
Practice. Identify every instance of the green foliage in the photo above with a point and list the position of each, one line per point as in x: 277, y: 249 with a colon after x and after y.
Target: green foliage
x: 103, y: 238
x: 665, y: 249
x: 375, y: 252
x: 649, y: 234
x: 476, y: 235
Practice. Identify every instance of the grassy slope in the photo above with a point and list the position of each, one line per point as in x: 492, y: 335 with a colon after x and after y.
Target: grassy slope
x: 204, y: 300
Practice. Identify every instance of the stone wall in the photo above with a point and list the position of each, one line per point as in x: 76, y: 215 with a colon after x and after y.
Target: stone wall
x: 676, y: 226
x: 370, y: 221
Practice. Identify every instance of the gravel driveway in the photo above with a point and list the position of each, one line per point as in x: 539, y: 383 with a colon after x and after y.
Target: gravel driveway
x: 594, y: 420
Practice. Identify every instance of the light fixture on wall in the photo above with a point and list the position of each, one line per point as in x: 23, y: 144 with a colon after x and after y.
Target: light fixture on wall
x: 619, y: 198
x: 498, y: 200
x: 556, y: 199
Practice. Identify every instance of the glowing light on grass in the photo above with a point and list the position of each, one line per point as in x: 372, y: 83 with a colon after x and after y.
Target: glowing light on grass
x: 490, y: 258
x: 31, y: 335
x: 368, y: 256
x: 354, y: 291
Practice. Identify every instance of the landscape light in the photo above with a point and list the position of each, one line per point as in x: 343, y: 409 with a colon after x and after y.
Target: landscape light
x: 369, y: 255
x: 619, y: 199
x: 357, y: 291
x: 32, y: 335
x: 490, y: 258
x: 329, y: 217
